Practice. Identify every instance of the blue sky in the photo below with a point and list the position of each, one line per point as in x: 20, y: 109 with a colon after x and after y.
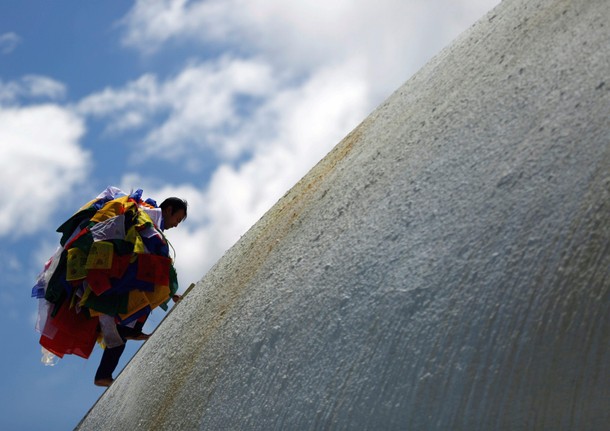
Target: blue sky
x: 225, y: 103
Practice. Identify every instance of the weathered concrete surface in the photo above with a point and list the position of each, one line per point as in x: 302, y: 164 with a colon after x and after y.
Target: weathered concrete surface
x: 446, y: 266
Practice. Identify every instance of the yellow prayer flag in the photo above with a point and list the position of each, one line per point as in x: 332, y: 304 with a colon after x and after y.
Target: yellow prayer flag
x: 110, y: 209
x: 134, y: 237
x: 158, y: 296
x: 137, y: 301
x: 76, y: 264
x: 100, y: 255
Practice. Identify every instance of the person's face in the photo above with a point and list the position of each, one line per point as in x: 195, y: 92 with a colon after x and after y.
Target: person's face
x: 172, y: 220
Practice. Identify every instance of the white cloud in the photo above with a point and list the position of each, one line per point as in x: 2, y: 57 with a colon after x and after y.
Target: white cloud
x: 197, y: 109
x: 149, y: 24
x: 8, y: 42
x: 204, y: 102
x: 393, y: 37
x: 42, y: 86
x: 9, y: 92
x: 141, y: 94
x: 31, y: 87
x: 41, y: 162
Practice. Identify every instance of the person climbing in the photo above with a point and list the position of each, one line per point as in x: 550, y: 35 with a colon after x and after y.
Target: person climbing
x: 173, y: 212
x: 112, y: 268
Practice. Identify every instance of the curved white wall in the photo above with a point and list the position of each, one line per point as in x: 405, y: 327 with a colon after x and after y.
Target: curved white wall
x: 446, y: 266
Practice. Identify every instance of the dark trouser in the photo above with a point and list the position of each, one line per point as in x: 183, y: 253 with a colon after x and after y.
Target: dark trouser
x: 111, y: 357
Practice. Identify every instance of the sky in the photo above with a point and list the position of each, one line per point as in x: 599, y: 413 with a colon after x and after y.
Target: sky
x: 226, y: 104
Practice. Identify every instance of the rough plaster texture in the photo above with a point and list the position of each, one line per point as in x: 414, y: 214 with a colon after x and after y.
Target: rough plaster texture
x: 446, y: 266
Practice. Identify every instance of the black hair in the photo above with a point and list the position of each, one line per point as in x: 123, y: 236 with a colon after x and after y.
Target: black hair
x: 176, y: 204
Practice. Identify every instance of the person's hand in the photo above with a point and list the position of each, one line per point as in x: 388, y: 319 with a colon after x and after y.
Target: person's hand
x: 177, y: 298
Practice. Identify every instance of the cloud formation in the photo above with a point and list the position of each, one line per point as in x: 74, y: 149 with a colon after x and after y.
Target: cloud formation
x: 8, y: 42
x: 41, y: 161
x: 30, y: 87
x: 392, y: 38
x: 204, y: 106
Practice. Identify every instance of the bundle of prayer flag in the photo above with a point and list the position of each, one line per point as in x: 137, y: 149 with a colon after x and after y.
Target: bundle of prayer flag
x: 113, y: 262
